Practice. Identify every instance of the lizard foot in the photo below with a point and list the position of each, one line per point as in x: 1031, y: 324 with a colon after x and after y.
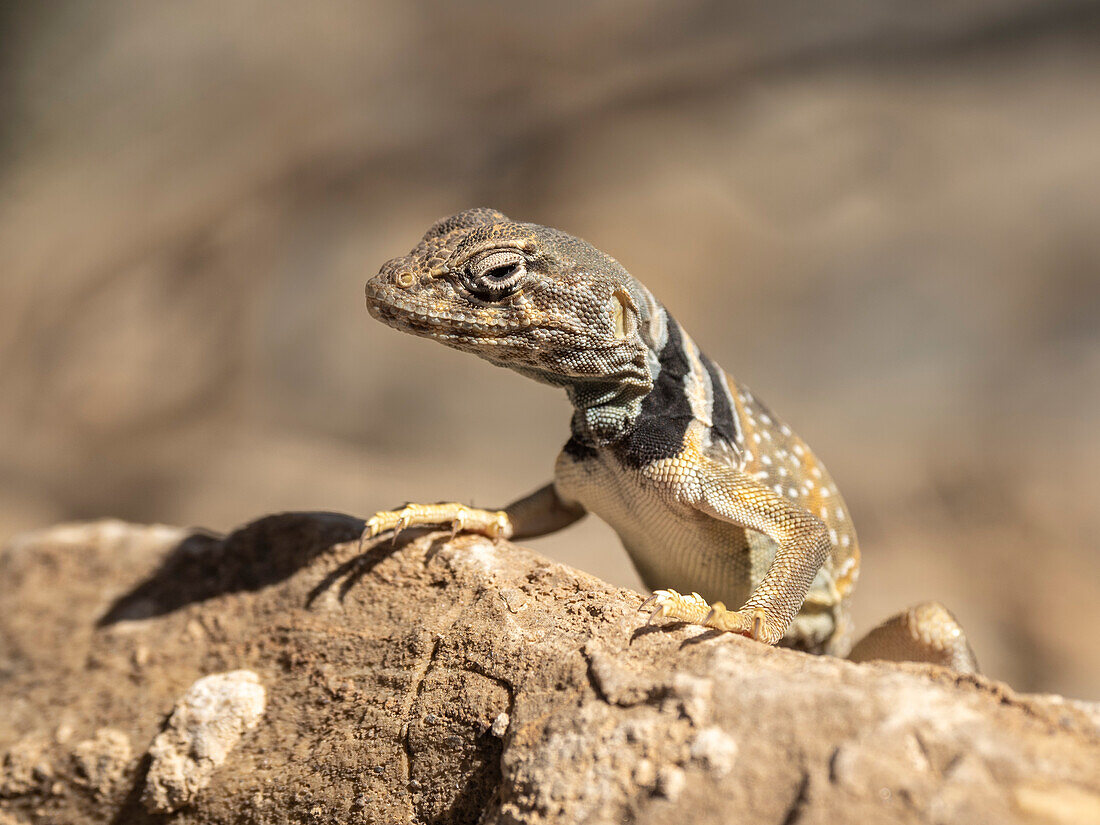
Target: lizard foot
x: 459, y: 517
x: 751, y: 622
x: 692, y: 609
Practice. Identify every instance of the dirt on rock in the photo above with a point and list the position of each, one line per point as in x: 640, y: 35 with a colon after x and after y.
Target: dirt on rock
x: 467, y: 681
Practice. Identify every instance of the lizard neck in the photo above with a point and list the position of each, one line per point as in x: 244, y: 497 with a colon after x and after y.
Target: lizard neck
x: 686, y: 387
x: 605, y: 407
x: 607, y: 410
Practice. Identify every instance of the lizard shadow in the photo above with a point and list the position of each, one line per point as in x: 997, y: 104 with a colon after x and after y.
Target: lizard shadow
x: 131, y: 811
x: 699, y: 638
x: 705, y: 636
x: 350, y: 572
x: 261, y: 553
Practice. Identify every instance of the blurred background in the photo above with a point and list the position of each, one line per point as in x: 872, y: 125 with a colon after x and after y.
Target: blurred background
x: 881, y: 217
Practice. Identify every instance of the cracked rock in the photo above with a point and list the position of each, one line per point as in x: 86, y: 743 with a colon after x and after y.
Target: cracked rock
x: 401, y: 687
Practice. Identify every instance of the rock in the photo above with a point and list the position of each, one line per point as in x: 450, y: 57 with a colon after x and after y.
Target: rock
x: 25, y: 767
x: 467, y: 680
x: 715, y: 749
x: 205, y: 726
x: 103, y: 761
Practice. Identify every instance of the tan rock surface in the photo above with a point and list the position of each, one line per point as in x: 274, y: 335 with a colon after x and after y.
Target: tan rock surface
x: 467, y: 681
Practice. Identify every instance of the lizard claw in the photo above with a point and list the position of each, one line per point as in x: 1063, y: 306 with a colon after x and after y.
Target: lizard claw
x: 661, y: 610
x: 758, y: 619
x: 404, y: 521
x: 458, y: 523
x: 372, y: 528
x: 650, y: 599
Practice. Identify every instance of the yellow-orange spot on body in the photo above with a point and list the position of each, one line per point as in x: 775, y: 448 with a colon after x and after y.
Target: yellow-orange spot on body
x: 848, y: 573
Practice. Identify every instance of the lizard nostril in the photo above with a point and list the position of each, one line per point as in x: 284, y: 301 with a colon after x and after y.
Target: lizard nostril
x: 405, y: 279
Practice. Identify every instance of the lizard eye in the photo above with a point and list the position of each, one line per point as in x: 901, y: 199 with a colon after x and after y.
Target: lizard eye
x: 496, y: 275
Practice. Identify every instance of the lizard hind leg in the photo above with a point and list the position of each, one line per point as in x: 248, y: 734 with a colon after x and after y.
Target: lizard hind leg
x: 458, y: 517
x: 926, y: 632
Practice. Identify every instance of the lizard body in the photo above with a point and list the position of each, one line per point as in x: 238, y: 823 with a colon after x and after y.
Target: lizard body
x: 709, y: 491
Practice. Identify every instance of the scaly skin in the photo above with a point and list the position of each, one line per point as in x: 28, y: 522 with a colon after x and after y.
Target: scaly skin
x: 709, y: 490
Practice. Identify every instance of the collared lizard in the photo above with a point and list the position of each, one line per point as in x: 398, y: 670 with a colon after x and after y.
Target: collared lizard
x: 709, y: 491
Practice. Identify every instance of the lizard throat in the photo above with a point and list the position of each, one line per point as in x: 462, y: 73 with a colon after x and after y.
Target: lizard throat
x: 646, y: 417
x: 605, y: 413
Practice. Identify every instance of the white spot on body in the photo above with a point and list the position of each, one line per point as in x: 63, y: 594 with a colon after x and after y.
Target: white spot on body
x: 697, y: 385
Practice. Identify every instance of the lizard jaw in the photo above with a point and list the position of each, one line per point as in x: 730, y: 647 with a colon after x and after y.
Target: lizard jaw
x: 429, y: 318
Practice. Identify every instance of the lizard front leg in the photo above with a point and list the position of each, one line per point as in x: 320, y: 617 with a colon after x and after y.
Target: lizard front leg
x: 541, y: 512
x: 803, y: 540
x: 458, y: 517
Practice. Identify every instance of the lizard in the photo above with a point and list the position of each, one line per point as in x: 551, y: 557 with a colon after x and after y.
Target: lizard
x: 709, y: 491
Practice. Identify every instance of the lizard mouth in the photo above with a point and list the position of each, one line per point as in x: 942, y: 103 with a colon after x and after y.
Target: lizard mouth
x: 430, y: 319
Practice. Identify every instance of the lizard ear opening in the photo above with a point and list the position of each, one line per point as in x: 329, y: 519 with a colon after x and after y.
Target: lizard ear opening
x: 622, y: 312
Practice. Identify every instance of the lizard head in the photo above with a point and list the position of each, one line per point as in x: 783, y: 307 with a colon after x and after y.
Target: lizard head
x: 523, y: 296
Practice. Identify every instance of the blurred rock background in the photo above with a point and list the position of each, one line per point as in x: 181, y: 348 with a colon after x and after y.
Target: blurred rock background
x: 882, y: 217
